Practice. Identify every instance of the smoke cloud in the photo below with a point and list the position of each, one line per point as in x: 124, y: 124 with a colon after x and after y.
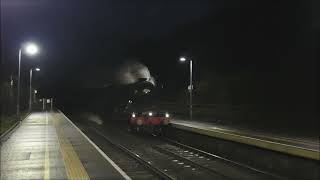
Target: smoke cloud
x: 92, y: 117
x: 131, y: 71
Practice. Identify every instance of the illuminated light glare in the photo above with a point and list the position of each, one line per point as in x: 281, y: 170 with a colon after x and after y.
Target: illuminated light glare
x: 167, y: 115
x: 37, y: 69
x: 31, y: 49
x: 139, y: 122
x: 35, y: 91
x: 146, y: 91
x: 150, y: 113
x: 133, y: 115
x: 182, y: 59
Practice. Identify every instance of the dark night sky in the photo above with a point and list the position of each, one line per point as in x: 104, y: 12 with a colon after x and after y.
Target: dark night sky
x: 77, y: 33
x: 272, y: 40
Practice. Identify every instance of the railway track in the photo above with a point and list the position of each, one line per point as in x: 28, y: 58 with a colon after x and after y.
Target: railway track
x: 172, y: 160
x: 170, y: 169
x: 149, y: 157
x: 185, y: 160
x: 148, y: 172
x: 213, y: 163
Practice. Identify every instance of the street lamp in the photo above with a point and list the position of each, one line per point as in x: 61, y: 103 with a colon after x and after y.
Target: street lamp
x: 30, y: 90
x: 183, y: 59
x: 34, y: 95
x: 190, y: 88
x: 29, y: 49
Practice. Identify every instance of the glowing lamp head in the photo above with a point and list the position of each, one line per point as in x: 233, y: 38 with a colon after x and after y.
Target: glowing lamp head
x: 37, y: 69
x: 150, y: 113
x: 31, y: 49
x: 167, y: 115
x: 183, y: 59
x: 133, y: 115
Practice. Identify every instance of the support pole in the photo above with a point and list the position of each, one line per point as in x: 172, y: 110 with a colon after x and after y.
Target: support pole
x: 51, y: 100
x: 191, y: 89
x: 18, y: 94
x: 30, y: 92
x: 43, y: 104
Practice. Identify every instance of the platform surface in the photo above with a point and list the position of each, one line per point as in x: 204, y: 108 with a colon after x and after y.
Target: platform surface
x: 47, y: 145
x: 299, y: 146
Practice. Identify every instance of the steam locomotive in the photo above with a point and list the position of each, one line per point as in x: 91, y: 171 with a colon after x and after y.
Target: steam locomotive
x: 149, y: 121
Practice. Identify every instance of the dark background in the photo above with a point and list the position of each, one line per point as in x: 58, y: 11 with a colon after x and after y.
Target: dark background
x: 257, y: 53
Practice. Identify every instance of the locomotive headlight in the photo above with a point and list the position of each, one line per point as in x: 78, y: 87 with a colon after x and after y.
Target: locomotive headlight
x: 133, y: 115
x: 150, y: 113
x: 167, y: 115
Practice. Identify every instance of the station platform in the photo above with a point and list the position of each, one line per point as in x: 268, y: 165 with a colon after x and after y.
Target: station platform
x: 47, y: 145
x: 297, y: 146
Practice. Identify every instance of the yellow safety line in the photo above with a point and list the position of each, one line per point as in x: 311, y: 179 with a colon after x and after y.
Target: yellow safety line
x: 46, y: 159
x: 73, y: 166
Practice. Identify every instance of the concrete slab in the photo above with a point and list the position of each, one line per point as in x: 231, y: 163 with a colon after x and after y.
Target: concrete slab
x: 47, y: 145
x: 289, y: 145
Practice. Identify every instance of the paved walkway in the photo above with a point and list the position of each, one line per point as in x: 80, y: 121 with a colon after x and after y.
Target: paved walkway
x: 291, y: 145
x: 49, y: 146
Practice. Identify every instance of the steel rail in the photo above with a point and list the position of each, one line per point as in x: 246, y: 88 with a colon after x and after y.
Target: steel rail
x: 164, y: 150
x: 137, y: 157
x: 221, y: 158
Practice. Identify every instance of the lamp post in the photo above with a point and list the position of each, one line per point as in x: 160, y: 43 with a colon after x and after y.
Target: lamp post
x: 30, y: 86
x: 30, y: 49
x: 190, y: 88
x: 34, y: 95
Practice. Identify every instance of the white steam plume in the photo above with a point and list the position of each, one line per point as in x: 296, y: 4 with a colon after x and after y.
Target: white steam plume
x: 131, y: 71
